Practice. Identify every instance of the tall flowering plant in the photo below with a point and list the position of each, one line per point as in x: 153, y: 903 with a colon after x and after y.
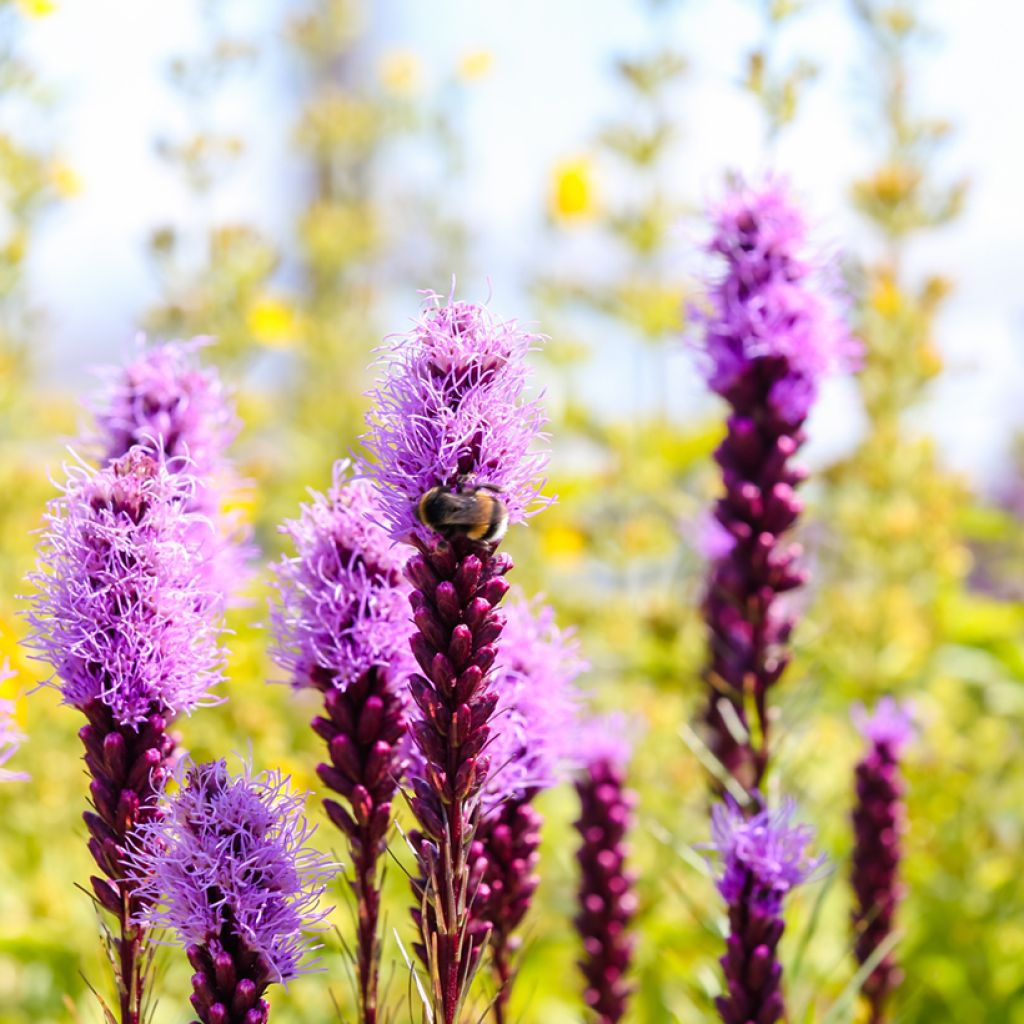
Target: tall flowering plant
x: 342, y: 629
x: 606, y: 900
x: 763, y: 857
x: 770, y: 336
x: 451, y: 422
x: 878, y: 822
x: 530, y: 751
x: 228, y: 869
x: 125, y: 613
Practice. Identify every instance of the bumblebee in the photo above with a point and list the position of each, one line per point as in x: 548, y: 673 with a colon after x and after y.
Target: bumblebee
x: 478, y: 514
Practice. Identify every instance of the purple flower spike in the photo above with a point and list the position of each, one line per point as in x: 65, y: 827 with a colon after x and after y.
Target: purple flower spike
x: 606, y: 899
x: 342, y: 628
x: 771, y: 334
x: 450, y: 412
x: 878, y: 823
x: 530, y: 751
x: 10, y: 734
x: 125, y: 614
x: 166, y: 402
x: 229, y: 869
x: 764, y: 857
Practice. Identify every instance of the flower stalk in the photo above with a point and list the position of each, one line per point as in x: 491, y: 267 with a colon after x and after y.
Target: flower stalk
x: 878, y: 823
x: 450, y: 418
x: 342, y: 629
x: 771, y: 335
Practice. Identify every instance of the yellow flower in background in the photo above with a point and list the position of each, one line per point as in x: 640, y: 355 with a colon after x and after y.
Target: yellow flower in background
x: 401, y: 72
x: 563, y: 544
x: 272, y: 322
x: 66, y: 182
x: 475, y: 64
x: 36, y: 8
x: 572, y: 192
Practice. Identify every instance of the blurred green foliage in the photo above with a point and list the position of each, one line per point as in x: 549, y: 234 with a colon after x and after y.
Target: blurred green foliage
x: 890, y: 609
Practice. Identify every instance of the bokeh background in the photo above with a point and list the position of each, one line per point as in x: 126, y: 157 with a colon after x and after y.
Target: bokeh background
x: 286, y: 176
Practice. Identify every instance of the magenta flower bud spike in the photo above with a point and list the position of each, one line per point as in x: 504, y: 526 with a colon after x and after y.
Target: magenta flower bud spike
x: 770, y: 336
x: 125, y: 612
x: 878, y: 823
x: 228, y: 869
x: 606, y: 900
x: 763, y: 857
x: 342, y: 627
x: 453, y: 434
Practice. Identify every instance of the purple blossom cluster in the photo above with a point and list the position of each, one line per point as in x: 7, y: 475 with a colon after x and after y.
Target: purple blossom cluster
x: 770, y: 336
x: 606, y: 899
x: 229, y: 869
x: 451, y: 411
x: 124, y: 609
x: 342, y: 627
x: 878, y: 822
x: 763, y: 858
x: 164, y: 400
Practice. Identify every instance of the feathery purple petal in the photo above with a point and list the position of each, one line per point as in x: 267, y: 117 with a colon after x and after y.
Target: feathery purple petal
x: 231, y: 860
x: 125, y: 610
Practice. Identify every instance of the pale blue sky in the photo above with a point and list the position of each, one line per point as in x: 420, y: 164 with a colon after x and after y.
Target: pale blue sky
x: 549, y: 86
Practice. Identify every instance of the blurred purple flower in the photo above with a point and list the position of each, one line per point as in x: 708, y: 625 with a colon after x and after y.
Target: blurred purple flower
x: 124, y: 611
x: 342, y: 627
x: 451, y: 411
x: 606, y: 899
x: 771, y: 334
x: 166, y: 402
x: 531, y: 750
x: 878, y: 823
x: 772, y: 308
x: 10, y: 735
x: 763, y: 858
x: 229, y: 869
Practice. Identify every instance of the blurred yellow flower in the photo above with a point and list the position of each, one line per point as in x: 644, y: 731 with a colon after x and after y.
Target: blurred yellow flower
x: 886, y: 299
x: 572, y: 192
x: 400, y: 72
x: 36, y: 8
x: 273, y: 322
x: 475, y: 64
x: 65, y: 181
x: 563, y: 543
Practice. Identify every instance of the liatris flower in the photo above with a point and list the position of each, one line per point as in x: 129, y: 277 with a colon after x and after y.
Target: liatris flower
x: 228, y: 868
x: 125, y: 615
x: 530, y: 751
x: 450, y: 413
x: 878, y: 820
x: 342, y: 628
x: 168, y: 403
x: 763, y: 858
x: 606, y: 899
x: 770, y: 337
x: 10, y: 735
